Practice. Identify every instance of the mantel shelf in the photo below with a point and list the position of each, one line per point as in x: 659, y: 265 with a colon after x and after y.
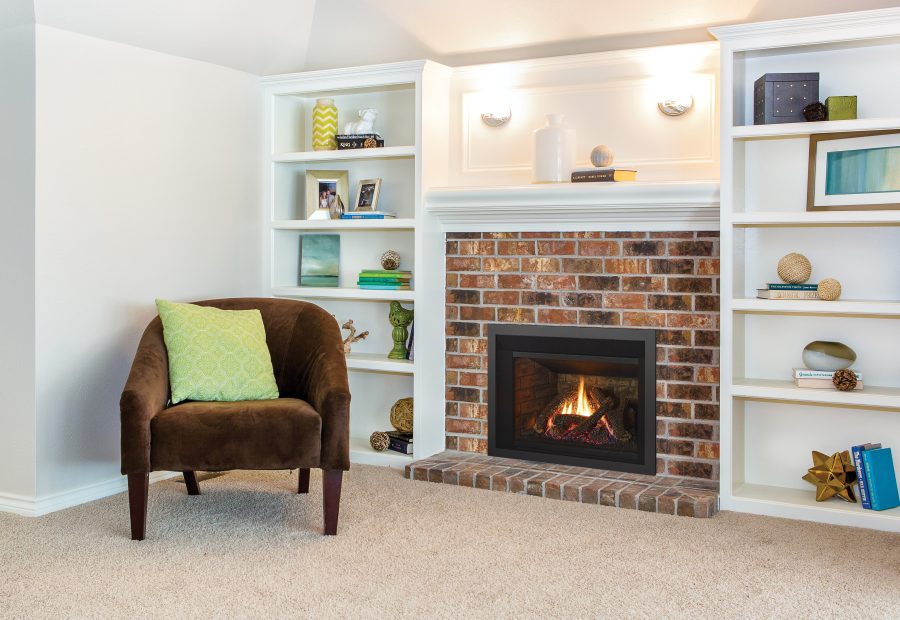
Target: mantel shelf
x: 579, y: 206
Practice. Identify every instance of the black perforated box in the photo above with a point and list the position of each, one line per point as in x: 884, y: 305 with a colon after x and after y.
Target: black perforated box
x: 781, y: 97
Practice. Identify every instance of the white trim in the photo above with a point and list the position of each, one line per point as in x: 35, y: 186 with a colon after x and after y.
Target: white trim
x: 36, y: 507
x: 578, y: 207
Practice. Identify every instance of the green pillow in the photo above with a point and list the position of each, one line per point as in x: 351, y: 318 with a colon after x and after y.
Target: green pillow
x: 216, y: 354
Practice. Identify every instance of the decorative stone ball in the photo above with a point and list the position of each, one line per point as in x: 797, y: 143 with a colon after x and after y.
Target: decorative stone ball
x: 379, y: 441
x: 602, y: 156
x: 829, y: 289
x: 402, y: 415
x: 815, y: 112
x: 844, y: 379
x: 794, y: 268
x: 390, y: 260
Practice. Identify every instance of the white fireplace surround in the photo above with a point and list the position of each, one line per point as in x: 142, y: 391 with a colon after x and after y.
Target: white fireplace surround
x: 562, y: 207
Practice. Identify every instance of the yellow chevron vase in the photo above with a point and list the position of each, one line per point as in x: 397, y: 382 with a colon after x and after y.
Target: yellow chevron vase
x: 324, y: 126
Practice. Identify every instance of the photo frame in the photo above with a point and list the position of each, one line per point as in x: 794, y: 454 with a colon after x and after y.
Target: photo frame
x: 854, y: 171
x: 367, y: 193
x: 326, y: 193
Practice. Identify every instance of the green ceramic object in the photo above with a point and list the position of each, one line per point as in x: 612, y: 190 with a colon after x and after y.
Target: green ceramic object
x: 841, y: 108
x: 400, y: 318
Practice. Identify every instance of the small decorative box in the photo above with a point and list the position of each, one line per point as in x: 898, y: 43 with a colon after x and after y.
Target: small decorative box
x: 781, y: 97
x: 841, y: 108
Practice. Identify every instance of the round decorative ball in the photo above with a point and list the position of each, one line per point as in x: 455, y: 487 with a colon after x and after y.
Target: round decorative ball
x: 794, y: 268
x: 402, y: 415
x: 390, y: 260
x: 602, y: 156
x: 379, y: 441
x: 829, y: 289
x: 844, y: 379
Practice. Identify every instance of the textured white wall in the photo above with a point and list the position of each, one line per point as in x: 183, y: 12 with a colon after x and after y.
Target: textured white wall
x: 148, y: 186
x: 17, y: 444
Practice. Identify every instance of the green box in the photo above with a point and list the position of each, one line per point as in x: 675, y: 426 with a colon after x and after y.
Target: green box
x: 841, y: 108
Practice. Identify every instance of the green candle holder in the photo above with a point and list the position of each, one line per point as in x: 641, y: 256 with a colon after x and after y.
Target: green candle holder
x: 400, y: 318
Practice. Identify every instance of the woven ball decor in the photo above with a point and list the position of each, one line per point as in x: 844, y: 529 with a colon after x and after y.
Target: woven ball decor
x: 402, y: 415
x: 794, y: 268
x: 390, y: 260
x: 829, y: 289
x: 379, y: 441
x: 844, y: 380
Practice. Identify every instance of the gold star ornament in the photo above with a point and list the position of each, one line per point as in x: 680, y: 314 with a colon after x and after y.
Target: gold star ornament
x: 833, y: 476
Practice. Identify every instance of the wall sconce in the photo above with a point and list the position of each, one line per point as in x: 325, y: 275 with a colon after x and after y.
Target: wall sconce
x: 497, y: 116
x: 676, y: 105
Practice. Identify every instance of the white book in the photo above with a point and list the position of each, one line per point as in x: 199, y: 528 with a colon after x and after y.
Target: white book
x: 762, y: 293
x: 806, y: 373
x: 821, y: 384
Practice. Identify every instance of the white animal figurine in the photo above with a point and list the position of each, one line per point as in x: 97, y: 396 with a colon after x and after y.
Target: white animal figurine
x: 365, y: 124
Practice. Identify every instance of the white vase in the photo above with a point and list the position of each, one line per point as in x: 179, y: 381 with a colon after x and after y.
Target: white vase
x: 554, y: 151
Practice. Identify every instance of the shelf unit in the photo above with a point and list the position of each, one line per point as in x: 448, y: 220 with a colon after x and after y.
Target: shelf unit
x: 410, y: 97
x: 769, y: 426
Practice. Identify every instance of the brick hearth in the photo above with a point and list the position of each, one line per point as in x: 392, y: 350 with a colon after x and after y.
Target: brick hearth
x: 663, y: 280
x: 663, y: 494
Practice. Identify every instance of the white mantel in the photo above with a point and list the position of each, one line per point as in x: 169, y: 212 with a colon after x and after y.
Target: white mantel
x: 577, y: 207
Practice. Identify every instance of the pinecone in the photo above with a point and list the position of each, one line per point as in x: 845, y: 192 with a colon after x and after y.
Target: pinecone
x: 844, y: 379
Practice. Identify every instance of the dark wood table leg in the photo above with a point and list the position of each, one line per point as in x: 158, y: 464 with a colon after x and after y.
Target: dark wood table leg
x: 331, y: 495
x: 190, y: 480
x: 303, y: 481
x: 138, y: 487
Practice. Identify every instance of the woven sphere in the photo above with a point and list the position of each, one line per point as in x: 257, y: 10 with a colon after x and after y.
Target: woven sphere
x: 379, y: 441
x: 402, y: 415
x: 602, y: 156
x: 794, y: 268
x: 829, y: 289
x: 390, y: 260
x: 844, y: 379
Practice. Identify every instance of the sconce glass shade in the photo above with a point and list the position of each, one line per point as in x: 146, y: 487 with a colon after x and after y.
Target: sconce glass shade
x: 496, y: 117
x: 675, y: 106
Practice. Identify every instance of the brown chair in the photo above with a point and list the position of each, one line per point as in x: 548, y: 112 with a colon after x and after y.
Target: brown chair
x: 307, y: 427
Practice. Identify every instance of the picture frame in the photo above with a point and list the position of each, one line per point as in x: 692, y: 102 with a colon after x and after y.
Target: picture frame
x: 319, y: 260
x: 367, y: 193
x: 854, y: 171
x: 325, y: 191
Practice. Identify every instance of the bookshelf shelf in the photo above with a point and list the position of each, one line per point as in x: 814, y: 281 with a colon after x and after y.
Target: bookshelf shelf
x: 817, y: 218
x: 809, y: 306
x: 794, y: 130
x: 874, y: 397
x: 374, y: 362
x: 361, y: 452
x: 385, y: 224
x: 313, y: 292
x: 386, y: 152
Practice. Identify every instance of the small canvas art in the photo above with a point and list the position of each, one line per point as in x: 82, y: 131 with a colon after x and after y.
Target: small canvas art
x: 854, y: 171
x: 863, y: 171
x: 320, y: 260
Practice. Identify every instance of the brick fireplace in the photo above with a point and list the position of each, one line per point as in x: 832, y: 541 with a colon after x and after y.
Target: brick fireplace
x: 667, y: 281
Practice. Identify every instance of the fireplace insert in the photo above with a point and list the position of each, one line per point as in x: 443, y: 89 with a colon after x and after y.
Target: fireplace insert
x: 573, y: 395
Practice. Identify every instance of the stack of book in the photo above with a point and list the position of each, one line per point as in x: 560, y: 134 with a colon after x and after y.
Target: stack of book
x: 384, y: 280
x: 603, y: 175
x: 779, y: 290
x: 821, y: 379
x: 367, y: 215
x: 400, y: 442
x: 876, y: 477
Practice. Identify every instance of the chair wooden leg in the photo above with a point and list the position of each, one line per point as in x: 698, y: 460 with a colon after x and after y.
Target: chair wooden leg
x: 138, y: 486
x: 303, y: 481
x: 190, y: 480
x: 331, y: 492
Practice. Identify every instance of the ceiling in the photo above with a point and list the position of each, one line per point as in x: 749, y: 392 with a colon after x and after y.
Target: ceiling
x: 279, y: 36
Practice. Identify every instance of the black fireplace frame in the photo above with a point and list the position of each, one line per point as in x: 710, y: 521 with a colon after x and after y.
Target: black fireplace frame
x: 500, y: 443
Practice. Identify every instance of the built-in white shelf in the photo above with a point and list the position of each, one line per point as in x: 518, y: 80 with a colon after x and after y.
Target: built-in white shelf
x: 385, y: 152
x: 802, y: 504
x: 817, y: 218
x: 769, y: 389
x: 811, y: 306
x: 400, y: 223
x: 793, y: 130
x: 314, y: 292
x: 362, y: 452
x: 378, y: 363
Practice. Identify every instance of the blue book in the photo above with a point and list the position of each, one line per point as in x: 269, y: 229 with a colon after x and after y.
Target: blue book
x: 861, y: 472
x: 881, y: 479
x: 780, y: 286
x: 366, y: 215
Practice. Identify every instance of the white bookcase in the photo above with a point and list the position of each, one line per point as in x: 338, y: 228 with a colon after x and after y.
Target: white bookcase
x: 410, y: 98
x: 769, y: 427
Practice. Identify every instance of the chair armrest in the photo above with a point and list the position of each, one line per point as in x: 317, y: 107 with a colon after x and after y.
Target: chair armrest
x: 146, y: 394
x: 321, y: 380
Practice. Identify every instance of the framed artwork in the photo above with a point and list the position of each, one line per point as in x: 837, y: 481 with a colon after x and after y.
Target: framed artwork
x: 320, y: 260
x: 367, y: 192
x: 326, y: 192
x: 854, y: 171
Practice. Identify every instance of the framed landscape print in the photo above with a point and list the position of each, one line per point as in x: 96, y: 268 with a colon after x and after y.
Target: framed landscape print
x: 854, y: 171
x: 320, y: 260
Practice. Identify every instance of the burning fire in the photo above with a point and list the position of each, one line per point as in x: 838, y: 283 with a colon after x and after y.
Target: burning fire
x: 564, y: 424
x: 579, y: 405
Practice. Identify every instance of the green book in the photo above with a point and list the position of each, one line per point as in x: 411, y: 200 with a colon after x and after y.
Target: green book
x: 377, y: 273
x: 382, y: 281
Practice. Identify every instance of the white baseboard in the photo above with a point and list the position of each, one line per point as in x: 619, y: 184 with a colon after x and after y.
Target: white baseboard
x: 35, y: 507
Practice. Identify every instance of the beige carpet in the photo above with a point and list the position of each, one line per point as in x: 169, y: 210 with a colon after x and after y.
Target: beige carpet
x: 249, y: 547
